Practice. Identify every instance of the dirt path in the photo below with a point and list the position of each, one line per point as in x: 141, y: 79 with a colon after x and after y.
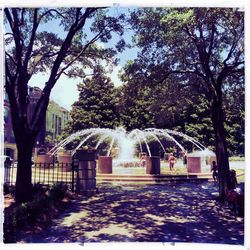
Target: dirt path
x: 184, y: 212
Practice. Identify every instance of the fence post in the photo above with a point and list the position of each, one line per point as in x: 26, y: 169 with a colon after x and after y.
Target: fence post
x: 86, y: 174
x: 74, y: 165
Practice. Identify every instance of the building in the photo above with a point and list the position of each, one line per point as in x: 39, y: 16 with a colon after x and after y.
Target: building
x: 56, y: 119
x: 54, y: 122
x: 10, y: 148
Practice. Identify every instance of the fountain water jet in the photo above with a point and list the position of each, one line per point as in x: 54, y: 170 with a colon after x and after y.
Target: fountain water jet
x: 127, y: 142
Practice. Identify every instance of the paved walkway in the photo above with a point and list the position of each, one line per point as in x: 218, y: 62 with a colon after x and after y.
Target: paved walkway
x: 185, y: 212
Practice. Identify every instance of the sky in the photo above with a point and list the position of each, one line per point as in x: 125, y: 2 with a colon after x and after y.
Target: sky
x: 65, y: 91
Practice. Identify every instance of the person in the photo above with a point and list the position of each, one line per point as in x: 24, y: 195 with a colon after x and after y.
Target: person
x: 234, y: 195
x: 233, y: 179
x: 185, y: 158
x: 171, y: 160
x: 143, y: 160
x: 214, y: 169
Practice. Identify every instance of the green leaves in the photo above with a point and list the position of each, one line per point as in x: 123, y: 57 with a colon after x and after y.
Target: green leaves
x: 96, y: 106
x: 178, y: 17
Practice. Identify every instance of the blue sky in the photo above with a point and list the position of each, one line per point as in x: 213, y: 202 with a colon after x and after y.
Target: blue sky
x: 66, y: 85
x: 65, y: 91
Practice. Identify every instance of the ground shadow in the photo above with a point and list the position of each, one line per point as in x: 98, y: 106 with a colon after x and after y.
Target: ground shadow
x: 181, y: 212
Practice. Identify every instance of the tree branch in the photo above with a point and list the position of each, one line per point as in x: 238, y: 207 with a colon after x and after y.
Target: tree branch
x: 51, y: 10
x: 17, y: 38
x: 10, y: 89
x: 11, y: 58
x: 81, y: 52
x: 196, y: 72
x: 211, y: 42
x: 234, y: 44
x: 22, y: 19
x: 8, y: 33
x: 8, y: 74
x: 77, y: 75
x: 10, y: 20
x: 32, y: 38
x: 64, y: 48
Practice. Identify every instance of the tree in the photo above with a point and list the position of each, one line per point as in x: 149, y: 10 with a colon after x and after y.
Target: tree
x: 169, y: 104
x: 234, y: 106
x: 205, y: 44
x: 134, y: 107
x: 29, y: 50
x: 96, y: 106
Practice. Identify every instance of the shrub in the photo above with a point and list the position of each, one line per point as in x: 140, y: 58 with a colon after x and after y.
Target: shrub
x: 7, y: 189
x: 58, y: 191
x: 38, y: 189
x: 40, y: 210
x: 9, y: 228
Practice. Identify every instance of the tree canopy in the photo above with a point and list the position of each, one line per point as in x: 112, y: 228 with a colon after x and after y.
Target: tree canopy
x: 96, y: 106
x: 203, y: 47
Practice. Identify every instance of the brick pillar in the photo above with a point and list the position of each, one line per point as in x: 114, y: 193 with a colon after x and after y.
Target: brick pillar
x: 153, y: 165
x: 86, y: 174
x: 194, y: 164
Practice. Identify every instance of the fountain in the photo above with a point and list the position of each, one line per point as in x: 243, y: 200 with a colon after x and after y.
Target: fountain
x: 129, y: 145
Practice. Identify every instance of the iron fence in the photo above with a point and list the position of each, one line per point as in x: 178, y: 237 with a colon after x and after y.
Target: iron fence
x: 45, y: 174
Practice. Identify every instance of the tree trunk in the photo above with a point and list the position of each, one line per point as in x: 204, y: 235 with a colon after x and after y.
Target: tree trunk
x: 24, y: 172
x: 221, y: 147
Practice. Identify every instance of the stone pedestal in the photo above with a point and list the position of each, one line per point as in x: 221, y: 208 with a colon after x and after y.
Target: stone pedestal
x: 194, y: 164
x: 66, y: 161
x: 86, y: 178
x: 153, y: 165
x: 105, y: 164
x: 44, y: 159
x: 64, y: 158
x: 86, y: 174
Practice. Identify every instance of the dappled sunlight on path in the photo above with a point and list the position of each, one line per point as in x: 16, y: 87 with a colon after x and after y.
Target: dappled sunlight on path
x: 185, y: 212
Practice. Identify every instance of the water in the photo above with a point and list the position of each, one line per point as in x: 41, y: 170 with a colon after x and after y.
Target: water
x: 128, y: 143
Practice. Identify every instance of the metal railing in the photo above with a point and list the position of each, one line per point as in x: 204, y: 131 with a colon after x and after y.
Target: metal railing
x: 44, y: 173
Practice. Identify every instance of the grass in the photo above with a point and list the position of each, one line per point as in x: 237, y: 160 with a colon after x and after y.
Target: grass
x: 237, y: 158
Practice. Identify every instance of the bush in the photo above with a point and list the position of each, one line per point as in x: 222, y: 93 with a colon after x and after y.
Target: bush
x: 40, y: 210
x: 39, y: 189
x: 21, y: 215
x: 9, y: 228
x: 7, y: 189
x: 58, y: 191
